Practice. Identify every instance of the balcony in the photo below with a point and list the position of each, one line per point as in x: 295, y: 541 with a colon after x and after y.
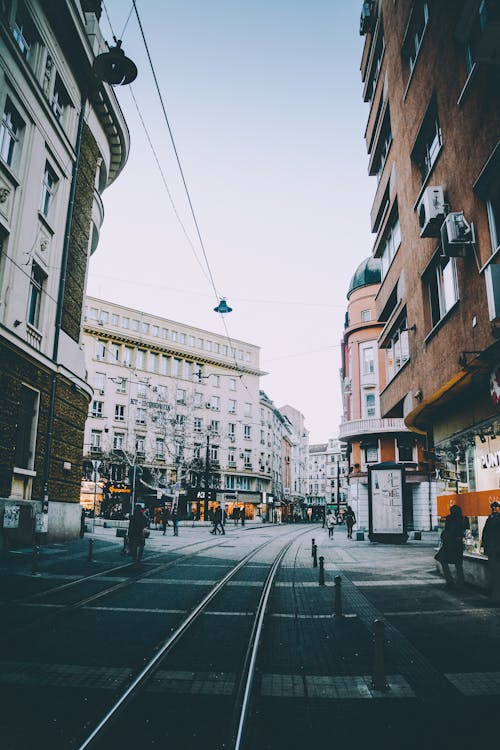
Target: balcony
x: 358, y: 427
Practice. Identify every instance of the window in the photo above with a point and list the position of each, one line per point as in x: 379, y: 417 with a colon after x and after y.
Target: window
x: 27, y: 421
x: 160, y: 448
x: 10, y: 133
x: 187, y: 370
x: 405, y: 448
x: 232, y: 406
x: 191, y: 341
x: 153, y: 362
x: 248, y: 410
x: 247, y: 432
x: 164, y: 361
x: 208, y: 346
x: 127, y: 356
x: 231, y: 456
x: 215, y: 402
x: 140, y: 444
x: 442, y: 288
x: 144, y: 327
x: 142, y: 389
x: 383, y: 145
x: 197, y: 424
x: 114, y: 353
x: 216, y: 381
x: 371, y: 453
x: 248, y: 458
x: 214, y: 426
x: 232, y: 384
x: 162, y: 392
x: 125, y: 322
x: 135, y: 324
x: 428, y: 144
x: 60, y: 99
x: 140, y: 416
x: 48, y: 189
x: 35, y: 295
x: 97, y: 408
x: 121, y: 385
x: 100, y: 352
x: 23, y: 31
x: 180, y: 420
x: 214, y: 453
x: 487, y: 187
x: 99, y: 381
x: 390, y: 244
x: 119, y: 412
x: 415, y: 34
x: 95, y: 441
x: 368, y: 360
x: 176, y: 368
x: 118, y: 441
x: 182, y: 338
x: 156, y: 330
x: 231, y: 430
x: 366, y: 316
x: 199, y: 343
x: 164, y: 333
x: 376, y: 65
x: 115, y: 320
x: 197, y: 451
x: 370, y: 406
x: 397, y: 348
x: 181, y: 396
x: 139, y: 359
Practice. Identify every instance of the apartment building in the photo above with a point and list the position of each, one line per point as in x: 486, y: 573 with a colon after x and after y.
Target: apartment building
x: 370, y: 437
x: 176, y: 408
x: 430, y: 74
x: 298, y: 451
x: 63, y: 140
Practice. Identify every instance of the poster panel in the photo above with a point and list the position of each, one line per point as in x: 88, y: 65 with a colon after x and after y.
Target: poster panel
x: 386, y: 485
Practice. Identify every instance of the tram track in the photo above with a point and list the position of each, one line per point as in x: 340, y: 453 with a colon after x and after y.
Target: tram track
x: 102, y: 734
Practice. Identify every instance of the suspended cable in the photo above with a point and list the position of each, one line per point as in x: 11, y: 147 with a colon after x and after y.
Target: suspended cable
x: 175, y: 151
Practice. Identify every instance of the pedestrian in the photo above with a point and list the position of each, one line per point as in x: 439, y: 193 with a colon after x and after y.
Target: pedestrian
x: 137, y: 529
x: 164, y: 519
x: 350, y: 520
x: 491, y: 545
x: 175, y: 523
x: 330, y: 524
x: 218, y: 525
x: 242, y: 515
x: 451, y: 551
x: 82, y: 523
x: 236, y: 515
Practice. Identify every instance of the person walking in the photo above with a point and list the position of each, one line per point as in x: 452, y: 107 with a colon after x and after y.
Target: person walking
x: 136, y: 534
x: 452, y: 549
x: 218, y: 521
x: 350, y: 520
x: 175, y: 523
x: 164, y: 519
x: 330, y: 524
x: 491, y: 545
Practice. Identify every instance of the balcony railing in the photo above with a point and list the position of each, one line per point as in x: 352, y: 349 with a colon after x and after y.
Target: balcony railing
x: 358, y: 427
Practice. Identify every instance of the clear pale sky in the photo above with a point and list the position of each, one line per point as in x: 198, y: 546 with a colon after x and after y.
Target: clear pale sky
x: 264, y: 100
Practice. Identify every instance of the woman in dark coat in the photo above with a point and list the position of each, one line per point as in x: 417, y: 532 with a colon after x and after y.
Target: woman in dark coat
x: 136, y: 538
x: 452, y: 550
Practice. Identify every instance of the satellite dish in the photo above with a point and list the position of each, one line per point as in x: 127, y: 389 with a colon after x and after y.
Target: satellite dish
x: 114, y: 68
x: 223, y: 307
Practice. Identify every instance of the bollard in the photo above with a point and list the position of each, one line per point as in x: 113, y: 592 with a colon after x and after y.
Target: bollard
x: 338, y: 596
x: 312, y: 548
x: 321, y: 571
x: 91, y: 550
x: 315, y: 556
x: 378, y: 682
x: 34, y: 560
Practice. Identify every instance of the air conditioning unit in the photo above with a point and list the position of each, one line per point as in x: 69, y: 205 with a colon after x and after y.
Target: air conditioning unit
x: 154, y: 389
x: 456, y: 235
x: 208, y: 405
x: 431, y: 211
x: 242, y: 455
x: 101, y: 392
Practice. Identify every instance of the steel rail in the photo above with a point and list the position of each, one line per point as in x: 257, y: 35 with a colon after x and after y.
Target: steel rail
x: 156, y: 660
x: 246, y: 683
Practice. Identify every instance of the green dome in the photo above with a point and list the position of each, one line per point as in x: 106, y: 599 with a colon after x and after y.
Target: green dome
x: 368, y: 272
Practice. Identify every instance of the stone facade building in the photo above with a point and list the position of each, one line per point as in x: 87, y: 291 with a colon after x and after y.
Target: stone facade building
x: 63, y: 140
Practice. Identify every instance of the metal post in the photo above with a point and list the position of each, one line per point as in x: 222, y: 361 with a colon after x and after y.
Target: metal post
x: 34, y: 560
x: 91, y: 550
x: 315, y: 556
x: 378, y: 682
x: 321, y: 571
x: 207, y: 480
x: 312, y: 548
x: 338, y: 596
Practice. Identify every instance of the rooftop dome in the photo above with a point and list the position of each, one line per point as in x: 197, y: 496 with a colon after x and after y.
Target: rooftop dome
x: 368, y: 272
